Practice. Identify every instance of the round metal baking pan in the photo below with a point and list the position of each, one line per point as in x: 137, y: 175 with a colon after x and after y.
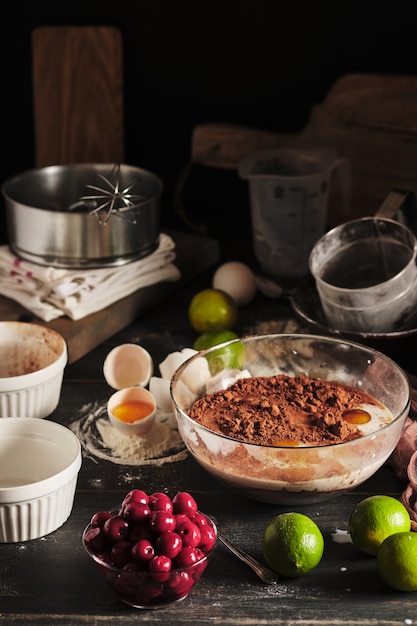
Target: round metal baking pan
x: 84, y: 215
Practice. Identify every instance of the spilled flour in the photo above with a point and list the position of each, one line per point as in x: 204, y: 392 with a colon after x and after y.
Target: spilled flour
x: 98, y: 438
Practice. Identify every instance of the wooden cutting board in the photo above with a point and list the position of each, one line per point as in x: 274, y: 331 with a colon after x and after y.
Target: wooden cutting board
x: 78, y: 94
x: 195, y: 254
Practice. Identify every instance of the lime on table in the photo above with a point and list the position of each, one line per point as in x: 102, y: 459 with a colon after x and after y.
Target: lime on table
x: 231, y: 356
x: 397, y: 561
x: 292, y: 544
x: 212, y: 309
x: 374, y: 519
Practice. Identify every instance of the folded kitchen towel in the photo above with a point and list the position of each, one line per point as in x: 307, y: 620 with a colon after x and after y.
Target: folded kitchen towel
x: 51, y: 292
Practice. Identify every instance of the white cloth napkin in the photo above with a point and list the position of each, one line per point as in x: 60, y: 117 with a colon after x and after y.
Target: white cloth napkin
x: 50, y: 292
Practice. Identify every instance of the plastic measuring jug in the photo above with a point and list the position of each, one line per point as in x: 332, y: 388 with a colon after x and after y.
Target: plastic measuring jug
x: 289, y: 191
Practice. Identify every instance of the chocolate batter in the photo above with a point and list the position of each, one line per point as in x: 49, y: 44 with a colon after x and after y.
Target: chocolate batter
x: 283, y: 410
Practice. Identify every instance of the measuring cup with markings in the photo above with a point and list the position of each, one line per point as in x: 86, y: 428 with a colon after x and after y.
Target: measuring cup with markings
x: 289, y: 191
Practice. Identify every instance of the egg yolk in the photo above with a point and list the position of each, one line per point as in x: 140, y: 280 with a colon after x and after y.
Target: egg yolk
x: 356, y: 416
x: 130, y: 412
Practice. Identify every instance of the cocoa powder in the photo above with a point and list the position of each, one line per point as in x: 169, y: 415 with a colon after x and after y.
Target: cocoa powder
x: 282, y: 410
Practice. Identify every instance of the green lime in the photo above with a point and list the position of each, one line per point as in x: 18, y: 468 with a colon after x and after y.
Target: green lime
x: 229, y: 357
x: 292, y: 544
x: 374, y: 519
x: 212, y: 309
x: 397, y: 561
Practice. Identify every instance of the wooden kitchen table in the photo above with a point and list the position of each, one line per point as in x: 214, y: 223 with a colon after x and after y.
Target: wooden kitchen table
x: 52, y: 581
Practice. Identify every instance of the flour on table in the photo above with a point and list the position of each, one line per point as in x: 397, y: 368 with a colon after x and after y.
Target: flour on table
x: 99, y: 439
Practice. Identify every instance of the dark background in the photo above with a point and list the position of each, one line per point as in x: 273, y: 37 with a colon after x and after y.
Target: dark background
x: 263, y: 63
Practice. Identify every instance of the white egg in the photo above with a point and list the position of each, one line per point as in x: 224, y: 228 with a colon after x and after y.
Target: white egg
x: 236, y: 279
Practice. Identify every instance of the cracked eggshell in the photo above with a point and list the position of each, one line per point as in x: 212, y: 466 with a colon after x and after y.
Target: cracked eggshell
x: 132, y: 395
x: 159, y: 387
x: 199, y: 374
x: 173, y: 361
x: 128, y: 365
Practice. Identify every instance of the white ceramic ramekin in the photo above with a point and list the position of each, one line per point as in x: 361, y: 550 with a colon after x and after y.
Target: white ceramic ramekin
x: 32, y: 362
x: 39, y: 465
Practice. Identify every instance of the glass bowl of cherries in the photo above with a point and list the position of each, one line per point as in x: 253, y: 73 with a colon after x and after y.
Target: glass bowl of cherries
x: 153, y: 549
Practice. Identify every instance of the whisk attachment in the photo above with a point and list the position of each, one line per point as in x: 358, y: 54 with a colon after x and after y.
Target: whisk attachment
x: 110, y: 199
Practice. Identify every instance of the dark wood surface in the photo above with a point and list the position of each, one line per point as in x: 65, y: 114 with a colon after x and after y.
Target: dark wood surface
x: 51, y: 580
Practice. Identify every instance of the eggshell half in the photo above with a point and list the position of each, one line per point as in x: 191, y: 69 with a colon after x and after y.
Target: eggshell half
x: 132, y: 394
x: 128, y: 365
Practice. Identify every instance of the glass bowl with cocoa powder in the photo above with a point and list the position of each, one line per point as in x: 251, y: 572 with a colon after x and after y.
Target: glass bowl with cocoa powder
x: 295, y: 419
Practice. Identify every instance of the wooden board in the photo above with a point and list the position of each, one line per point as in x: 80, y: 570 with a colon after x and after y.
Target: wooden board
x: 78, y: 94
x: 195, y: 254
x: 368, y: 118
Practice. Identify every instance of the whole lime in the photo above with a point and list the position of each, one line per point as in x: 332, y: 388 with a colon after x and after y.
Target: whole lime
x: 212, y: 309
x: 231, y: 356
x: 397, y: 561
x: 374, y: 519
x: 292, y: 544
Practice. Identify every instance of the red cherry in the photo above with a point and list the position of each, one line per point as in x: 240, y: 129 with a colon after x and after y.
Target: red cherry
x: 150, y: 592
x: 184, y: 503
x: 133, y: 566
x: 159, y: 563
x: 180, y: 582
x: 168, y: 543
x: 135, y: 495
x: 160, y: 566
x: 120, y: 553
x: 143, y: 550
x: 181, y: 517
x: 187, y: 556
x: 104, y: 558
x: 98, y: 519
x: 199, y: 568
x: 96, y: 540
x: 161, y: 521
x: 116, y: 528
x: 159, y: 501
x: 201, y: 520
x: 136, y: 512
x: 189, y: 533
x: 159, y: 494
x: 140, y: 531
x: 208, y: 538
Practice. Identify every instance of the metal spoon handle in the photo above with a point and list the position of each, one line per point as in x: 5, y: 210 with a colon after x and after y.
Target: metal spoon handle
x: 264, y: 573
